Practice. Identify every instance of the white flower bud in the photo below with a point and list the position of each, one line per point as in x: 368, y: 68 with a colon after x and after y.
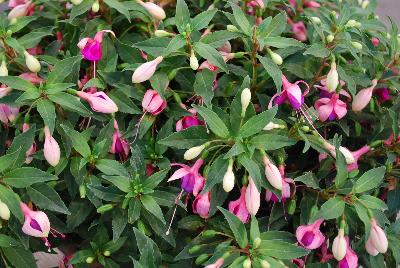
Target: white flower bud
x: 245, y: 99
x: 332, y: 79
x: 4, y: 211
x: 351, y: 23
x: 193, y: 152
x: 265, y: 264
x: 194, y: 63
x: 339, y: 246
x: 330, y: 38
x: 365, y: 4
x: 32, y: 63
x: 232, y: 28
x: 316, y: 20
x: 76, y: 2
x: 272, y: 125
x: 247, y: 263
x: 347, y: 155
x: 96, y: 7
x: 357, y: 45
x: 162, y: 33
x: 3, y: 69
x: 276, y: 58
x: 228, y: 181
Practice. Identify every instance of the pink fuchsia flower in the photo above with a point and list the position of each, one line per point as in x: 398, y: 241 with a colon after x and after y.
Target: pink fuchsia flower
x: 155, y: 11
x: 4, y: 90
x: 36, y: 223
x: 119, y: 145
x: 325, y: 256
x: 8, y: 113
x: 37, y: 50
x: 286, y: 182
x: 363, y: 97
x: 383, y: 94
x: 99, y: 102
x: 252, y: 197
x: 188, y: 121
x: 145, y: 71
x: 299, y: 30
x: 369, y: 247
x: 238, y: 207
x: 375, y: 41
x: 331, y: 108
x: 312, y: 4
x: 19, y: 10
x: 51, y: 148
x: 201, y: 205
x: 14, y: 3
x: 153, y: 103
x: 91, y: 47
x: 378, y: 237
x: 272, y: 174
x: 49, y: 260
x: 216, y: 264
x: 32, y: 149
x: 192, y: 181
x: 356, y: 155
x: 350, y: 260
x: 309, y: 236
x: 31, y: 77
x: 291, y: 93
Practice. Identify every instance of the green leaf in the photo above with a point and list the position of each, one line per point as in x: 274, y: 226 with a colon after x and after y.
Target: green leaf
x: 151, y: 206
x: 278, y: 236
x: 255, y: 124
x: 7, y: 160
x: 211, y: 54
x: 26, y: 176
x: 331, y: 209
x: 47, y: 112
x: 78, y: 140
x: 111, y: 167
x: 20, y: 257
x: 273, y: 70
x: 271, y: 141
x: 370, y: 180
x: 215, y: 174
x: 63, y: 69
x: 253, y: 169
x: 79, y: 211
x: 341, y: 169
x: 12, y: 201
x: 155, y: 179
x: 237, y: 227
x: 215, y: 123
x: 187, y: 138
x: 20, y: 145
x: 235, y: 150
x: 16, y: 82
x: 274, y: 27
x: 282, y: 42
x: 281, y: 250
x: 182, y: 16
x: 204, y: 86
x: 308, y: 179
x: 317, y: 50
x: 134, y: 210
x: 202, y: 19
x: 254, y: 229
x: 373, y: 202
x: 78, y: 10
x: 174, y: 45
x: 121, y: 182
x: 70, y: 102
x: 219, y: 38
x: 46, y: 197
x: 241, y: 20
x: 8, y: 241
x: 31, y: 39
x: 120, y: 7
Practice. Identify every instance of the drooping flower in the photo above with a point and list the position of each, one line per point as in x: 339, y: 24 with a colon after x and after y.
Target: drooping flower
x: 188, y: 121
x: 91, y: 47
x: 201, y: 205
x: 383, y: 94
x: 216, y: 264
x: 153, y: 103
x: 310, y: 236
x: 339, y: 246
x: 272, y: 174
x: 145, y: 71
x: 238, y: 207
x: 363, y: 97
x: 19, y: 10
x: 228, y: 182
x: 46, y: 260
x: 356, y: 155
x: 378, y: 237
x: 252, y: 197
x: 192, y: 181
x: 332, y: 79
x: 324, y: 255
x: 286, y: 182
x: 370, y: 248
x: 32, y: 77
x: 350, y: 260
x: 4, y: 90
x: 346, y: 152
x: 299, y: 30
x: 51, y: 148
x: 99, y: 102
x: 8, y: 113
x: 155, y: 11
x: 331, y: 108
x: 36, y: 223
x: 291, y: 93
x: 119, y: 145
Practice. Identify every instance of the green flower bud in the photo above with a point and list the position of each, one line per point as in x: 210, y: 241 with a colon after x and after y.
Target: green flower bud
x: 96, y: 7
x: 256, y: 242
x: 194, y: 249
x: 247, y: 263
x: 357, y: 45
x: 107, y: 253
x: 89, y: 259
x: 292, y: 207
x: 232, y: 28
x: 104, y: 208
x: 265, y: 264
x: 209, y: 233
x: 316, y: 20
x: 330, y: 38
x: 82, y: 191
x: 201, y: 259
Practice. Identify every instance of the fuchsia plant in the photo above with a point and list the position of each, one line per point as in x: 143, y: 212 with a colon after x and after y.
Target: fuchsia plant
x: 174, y: 133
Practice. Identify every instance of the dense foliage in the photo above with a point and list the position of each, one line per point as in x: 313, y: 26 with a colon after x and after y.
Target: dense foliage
x: 260, y: 133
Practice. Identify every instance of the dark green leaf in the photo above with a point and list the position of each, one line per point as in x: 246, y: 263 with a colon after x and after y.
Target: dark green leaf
x: 370, y: 180
x: 237, y: 227
x: 215, y: 123
x: 47, y: 112
x: 26, y: 176
x: 47, y: 198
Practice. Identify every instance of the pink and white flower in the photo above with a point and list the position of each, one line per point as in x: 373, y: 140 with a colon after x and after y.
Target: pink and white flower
x: 310, y: 236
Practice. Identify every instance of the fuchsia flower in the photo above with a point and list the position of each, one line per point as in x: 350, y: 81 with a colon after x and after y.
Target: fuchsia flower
x: 363, y: 97
x: 377, y: 239
x: 325, y: 256
x: 153, y: 103
x: 155, y: 11
x: 99, y: 102
x: 238, y: 207
x: 192, y: 181
x: 291, y: 93
x: 32, y: 77
x: 356, y: 155
x: 8, y: 113
x: 252, y: 197
x: 91, y: 47
x: 331, y: 109
x: 51, y: 149
x: 383, y: 94
x: 312, y: 4
x: 188, y: 121
x: 216, y: 264
x: 14, y: 3
x: 19, y: 10
x: 201, y: 205
x: 299, y: 30
x: 272, y: 174
x: 119, y: 145
x: 309, y: 236
x: 145, y: 71
x: 4, y: 90
x: 32, y: 149
x: 350, y: 260
x: 286, y: 182
x: 375, y: 41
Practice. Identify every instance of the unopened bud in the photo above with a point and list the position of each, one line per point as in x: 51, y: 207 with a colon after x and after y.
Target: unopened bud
x: 245, y: 99
x: 357, y: 45
x: 76, y: 2
x: 194, y: 152
x: 232, y: 28
x: 257, y: 242
x: 201, y: 259
x: 107, y: 253
x: 276, y: 58
x: 365, y: 4
x: 265, y: 264
x: 332, y: 79
x: 209, y: 233
x: 89, y: 259
x: 194, y: 63
x: 194, y: 249
x: 162, y: 33
x: 96, y: 7
x: 3, y: 68
x: 247, y: 263
x: 339, y: 246
x: 292, y: 207
x: 351, y: 23
x: 272, y: 125
x: 32, y: 63
x: 228, y: 181
x: 82, y: 191
x: 330, y: 38
x: 4, y: 211
x: 316, y: 20
x: 104, y: 208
